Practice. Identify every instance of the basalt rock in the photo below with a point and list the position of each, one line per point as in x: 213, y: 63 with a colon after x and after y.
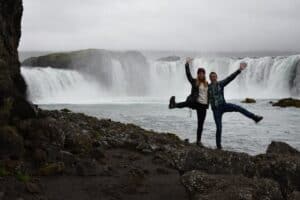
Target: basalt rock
x: 12, y: 84
x: 289, y: 102
x: 249, y: 100
x: 224, y: 187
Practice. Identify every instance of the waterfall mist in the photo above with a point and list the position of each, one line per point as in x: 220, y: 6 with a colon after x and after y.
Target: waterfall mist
x: 129, y: 78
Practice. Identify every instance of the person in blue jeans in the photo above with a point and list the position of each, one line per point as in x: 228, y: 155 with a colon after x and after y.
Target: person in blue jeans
x: 220, y: 106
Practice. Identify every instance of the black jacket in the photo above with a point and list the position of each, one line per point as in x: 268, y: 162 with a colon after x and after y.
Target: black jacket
x: 193, y: 97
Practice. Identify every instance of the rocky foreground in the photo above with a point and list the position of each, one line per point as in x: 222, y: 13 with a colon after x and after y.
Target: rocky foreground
x: 64, y: 155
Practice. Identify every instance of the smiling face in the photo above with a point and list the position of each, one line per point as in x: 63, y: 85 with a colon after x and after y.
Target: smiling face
x: 213, y: 77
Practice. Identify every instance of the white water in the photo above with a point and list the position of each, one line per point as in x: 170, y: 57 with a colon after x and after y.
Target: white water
x: 265, y: 77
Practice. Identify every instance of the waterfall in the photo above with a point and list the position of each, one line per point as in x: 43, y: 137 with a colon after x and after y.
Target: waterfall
x: 265, y: 77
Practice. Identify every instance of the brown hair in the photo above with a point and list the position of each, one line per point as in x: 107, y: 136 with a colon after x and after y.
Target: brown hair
x: 198, y: 81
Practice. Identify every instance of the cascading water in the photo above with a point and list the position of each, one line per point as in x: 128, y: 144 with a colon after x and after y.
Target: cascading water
x: 265, y: 77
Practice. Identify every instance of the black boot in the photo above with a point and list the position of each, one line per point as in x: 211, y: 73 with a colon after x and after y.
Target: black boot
x: 258, y: 118
x: 172, y: 102
x: 219, y: 147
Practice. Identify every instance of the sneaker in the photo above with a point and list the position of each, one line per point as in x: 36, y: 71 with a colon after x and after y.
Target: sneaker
x: 258, y: 119
x: 172, y: 102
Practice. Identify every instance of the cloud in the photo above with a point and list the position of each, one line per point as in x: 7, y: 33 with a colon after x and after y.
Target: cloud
x: 204, y: 25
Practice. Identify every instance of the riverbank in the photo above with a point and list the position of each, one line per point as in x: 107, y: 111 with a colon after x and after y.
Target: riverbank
x: 65, y: 155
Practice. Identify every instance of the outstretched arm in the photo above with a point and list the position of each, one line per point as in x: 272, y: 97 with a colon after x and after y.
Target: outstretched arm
x: 230, y: 78
x: 188, y: 71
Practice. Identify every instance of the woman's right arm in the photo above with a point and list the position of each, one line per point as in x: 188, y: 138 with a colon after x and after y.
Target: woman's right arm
x: 188, y: 71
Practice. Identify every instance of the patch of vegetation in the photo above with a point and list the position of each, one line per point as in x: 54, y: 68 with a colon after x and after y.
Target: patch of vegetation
x: 22, y: 177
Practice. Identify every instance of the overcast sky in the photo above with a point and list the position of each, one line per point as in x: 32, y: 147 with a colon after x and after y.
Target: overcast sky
x: 202, y: 25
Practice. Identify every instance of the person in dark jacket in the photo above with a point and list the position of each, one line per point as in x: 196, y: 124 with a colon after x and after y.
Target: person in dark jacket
x: 197, y: 100
x: 220, y: 106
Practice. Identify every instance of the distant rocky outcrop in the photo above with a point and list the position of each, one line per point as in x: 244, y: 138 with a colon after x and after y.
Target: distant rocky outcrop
x: 82, y: 59
x: 100, y: 65
x: 169, y: 59
x: 289, y: 102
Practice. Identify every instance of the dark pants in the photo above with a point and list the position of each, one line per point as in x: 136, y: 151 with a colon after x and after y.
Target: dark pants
x: 228, y: 107
x: 201, y: 115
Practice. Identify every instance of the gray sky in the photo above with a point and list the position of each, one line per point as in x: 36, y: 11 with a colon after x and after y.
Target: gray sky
x: 202, y: 25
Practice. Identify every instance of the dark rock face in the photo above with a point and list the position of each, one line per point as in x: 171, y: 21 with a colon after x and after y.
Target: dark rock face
x: 289, y: 102
x: 12, y: 84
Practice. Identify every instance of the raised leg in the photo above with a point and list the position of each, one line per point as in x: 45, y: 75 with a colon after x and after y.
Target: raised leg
x: 229, y: 107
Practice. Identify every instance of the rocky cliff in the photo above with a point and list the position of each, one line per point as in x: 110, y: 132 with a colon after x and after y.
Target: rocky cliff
x: 12, y: 85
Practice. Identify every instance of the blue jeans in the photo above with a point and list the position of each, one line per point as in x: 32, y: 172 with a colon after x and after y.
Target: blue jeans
x: 227, y: 107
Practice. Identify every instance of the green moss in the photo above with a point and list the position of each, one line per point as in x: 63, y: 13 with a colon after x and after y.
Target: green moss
x: 22, y: 177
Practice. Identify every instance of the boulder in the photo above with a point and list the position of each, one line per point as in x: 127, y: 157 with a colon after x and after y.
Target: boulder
x: 282, y: 148
x: 249, y: 100
x: 200, y: 185
x: 289, y: 102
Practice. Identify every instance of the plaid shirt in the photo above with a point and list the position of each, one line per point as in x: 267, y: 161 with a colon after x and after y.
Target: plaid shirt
x: 216, y: 90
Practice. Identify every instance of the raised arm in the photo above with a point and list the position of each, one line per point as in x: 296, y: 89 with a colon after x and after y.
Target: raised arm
x: 188, y: 71
x: 230, y: 78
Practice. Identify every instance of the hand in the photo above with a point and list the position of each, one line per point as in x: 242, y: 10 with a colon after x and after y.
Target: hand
x: 189, y: 60
x: 243, y: 65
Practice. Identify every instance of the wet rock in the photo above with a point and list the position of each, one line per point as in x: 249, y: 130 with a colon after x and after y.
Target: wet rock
x: 281, y: 148
x: 225, y: 187
x: 249, y: 100
x: 11, y: 143
x: 289, y: 102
